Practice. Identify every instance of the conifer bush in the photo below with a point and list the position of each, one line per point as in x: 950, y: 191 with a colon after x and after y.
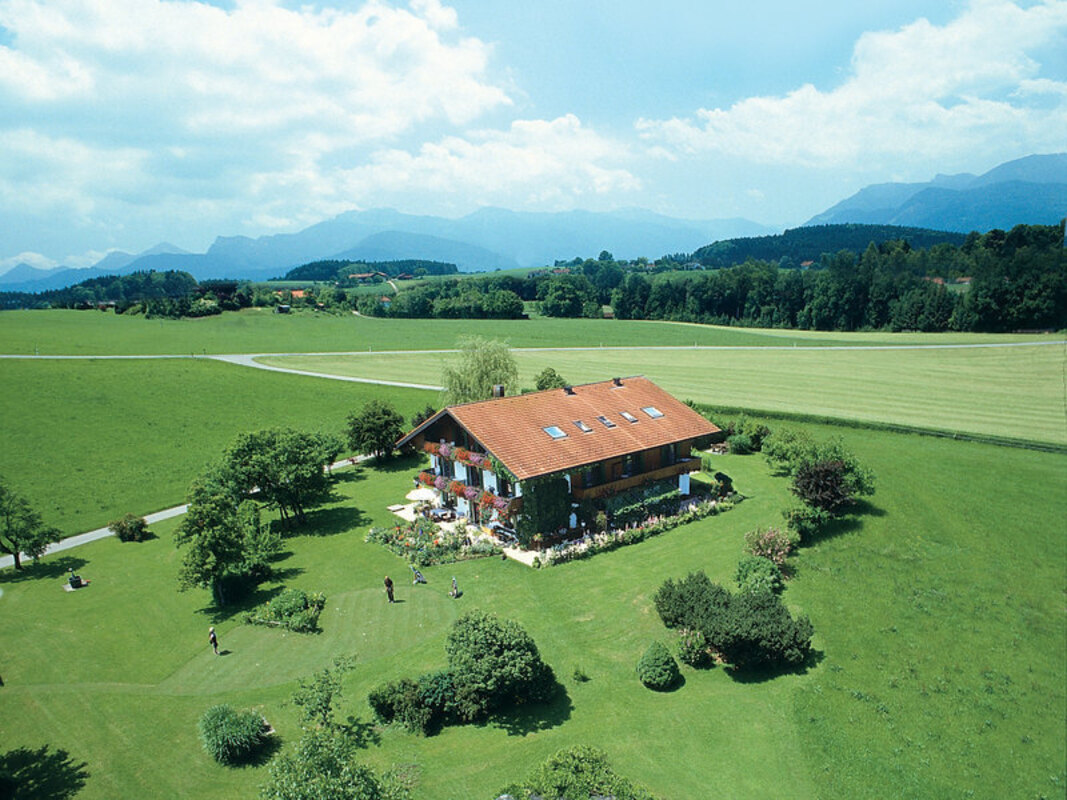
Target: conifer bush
x: 657, y: 668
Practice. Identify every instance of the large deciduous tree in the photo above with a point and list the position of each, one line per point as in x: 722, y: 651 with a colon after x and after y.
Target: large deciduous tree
x: 286, y: 468
x: 21, y: 528
x: 482, y: 364
x: 375, y: 428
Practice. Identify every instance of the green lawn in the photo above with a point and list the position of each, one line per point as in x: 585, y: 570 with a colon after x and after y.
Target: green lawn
x: 939, y: 623
x: 1015, y: 392
x: 261, y: 331
x: 87, y: 441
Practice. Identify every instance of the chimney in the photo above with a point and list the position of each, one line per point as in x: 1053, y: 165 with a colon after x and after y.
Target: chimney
x: 617, y: 381
x: 498, y: 390
x: 568, y: 389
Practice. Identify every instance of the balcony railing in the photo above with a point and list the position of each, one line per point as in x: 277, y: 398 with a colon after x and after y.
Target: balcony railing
x: 614, y: 487
x: 505, y: 504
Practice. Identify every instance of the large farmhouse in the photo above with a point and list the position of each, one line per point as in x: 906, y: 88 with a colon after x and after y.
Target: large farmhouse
x: 602, y: 438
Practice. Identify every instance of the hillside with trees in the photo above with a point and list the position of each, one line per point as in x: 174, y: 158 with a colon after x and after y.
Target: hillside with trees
x: 798, y: 245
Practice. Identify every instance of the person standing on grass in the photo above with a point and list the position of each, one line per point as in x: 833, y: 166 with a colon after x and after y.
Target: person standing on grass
x: 213, y: 640
x: 389, y: 588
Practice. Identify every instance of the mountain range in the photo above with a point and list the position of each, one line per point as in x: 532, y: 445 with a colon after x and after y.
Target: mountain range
x: 1027, y: 190
x: 1031, y: 190
x: 490, y: 238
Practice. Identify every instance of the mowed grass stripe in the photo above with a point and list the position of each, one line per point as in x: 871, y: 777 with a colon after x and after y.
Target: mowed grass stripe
x: 1013, y: 392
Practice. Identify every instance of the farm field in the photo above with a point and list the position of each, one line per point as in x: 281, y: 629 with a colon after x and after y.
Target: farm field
x: 1013, y: 392
x: 939, y: 627
x: 90, y: 440
x: 61, y: 332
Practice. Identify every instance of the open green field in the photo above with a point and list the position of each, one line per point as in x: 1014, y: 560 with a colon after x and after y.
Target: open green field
x: 258, y: 330
x: 939, y: 620
x: 1014, y: 392
x: 87, y: 441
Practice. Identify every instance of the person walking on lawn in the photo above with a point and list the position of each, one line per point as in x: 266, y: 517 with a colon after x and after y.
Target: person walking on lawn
x: 213, y: 640
x: 389, y: 588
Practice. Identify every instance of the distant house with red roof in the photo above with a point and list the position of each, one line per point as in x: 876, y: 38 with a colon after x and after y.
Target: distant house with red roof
x: 603, y: 438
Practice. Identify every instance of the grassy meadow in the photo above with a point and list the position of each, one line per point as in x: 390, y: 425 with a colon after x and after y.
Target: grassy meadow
x: 941, y: 629
x: 89, y: 440
x: 1013, y: 392
x: 259, y: 330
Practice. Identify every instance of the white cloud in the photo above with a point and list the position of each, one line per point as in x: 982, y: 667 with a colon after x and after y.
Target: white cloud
x: 122, y: 104
x: 32, y: 259
x: 924, y: 92
x: 548, y: 164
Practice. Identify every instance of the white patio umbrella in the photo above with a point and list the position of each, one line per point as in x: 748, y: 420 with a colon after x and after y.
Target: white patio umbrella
x: 423, y: 493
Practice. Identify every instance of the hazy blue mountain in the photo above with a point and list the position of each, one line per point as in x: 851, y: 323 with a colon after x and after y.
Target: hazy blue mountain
x: 396, y: 245
x: 1027, y: 190
x: 24, y: 273
x: 41, y: 280
x: 489, y: 238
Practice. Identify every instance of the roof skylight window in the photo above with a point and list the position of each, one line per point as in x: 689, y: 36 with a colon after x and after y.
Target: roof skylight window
x: 653, y: 412
x: 607, y: 423
x: 626, y: 415
x: 555, y: 432
x: 582, y: 426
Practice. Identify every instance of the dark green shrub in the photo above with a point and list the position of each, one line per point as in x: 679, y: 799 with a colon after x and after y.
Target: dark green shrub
x: 130, y: 528
x: 657, y: 668
x: 401, y: 701
x: 437, y: 693
x: 231, y: 736
x: 740, y: 444
x: 758, y: 574
x: 762, y: 633
x: 805, y: 521
x: 494, y: 664
x: 577, y: 772
x: 691, y: 603
x: 693, y: 648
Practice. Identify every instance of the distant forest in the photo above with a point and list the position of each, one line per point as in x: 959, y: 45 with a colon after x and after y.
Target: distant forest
x: 997, y: 281
x: 797, y: 245
x: 340, y: 271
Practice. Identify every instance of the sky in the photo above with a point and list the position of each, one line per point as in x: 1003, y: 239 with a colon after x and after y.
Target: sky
x: 124, y: 123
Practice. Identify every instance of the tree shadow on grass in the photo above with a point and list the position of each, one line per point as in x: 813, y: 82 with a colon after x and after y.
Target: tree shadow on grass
x: 269, y: 747
x: 764, y: 674
x: 361, y: 734
x: 331, y: 521
x: 535, y: 717
x: 241, y: 604
x: 407, y: 462
x: 350, y: 475
x: 40, y: 774
x: 51, y: 568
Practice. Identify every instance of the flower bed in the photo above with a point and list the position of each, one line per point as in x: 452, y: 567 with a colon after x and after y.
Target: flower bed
x: 613, y: 539
x: 424, y: 543
x: 293, y: 609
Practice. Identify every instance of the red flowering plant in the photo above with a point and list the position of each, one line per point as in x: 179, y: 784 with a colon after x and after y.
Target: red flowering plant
x: 457, y: 488
x: 426, y: 478
x: 431, y: 447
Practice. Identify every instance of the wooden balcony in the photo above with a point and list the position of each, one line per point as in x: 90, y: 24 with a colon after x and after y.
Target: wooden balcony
x: 680, y: 467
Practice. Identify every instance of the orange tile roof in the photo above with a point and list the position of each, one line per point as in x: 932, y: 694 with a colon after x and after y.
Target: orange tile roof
x: 512, y: 428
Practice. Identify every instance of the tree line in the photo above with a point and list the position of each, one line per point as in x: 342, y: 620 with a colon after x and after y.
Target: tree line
x: 1013, y: 280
